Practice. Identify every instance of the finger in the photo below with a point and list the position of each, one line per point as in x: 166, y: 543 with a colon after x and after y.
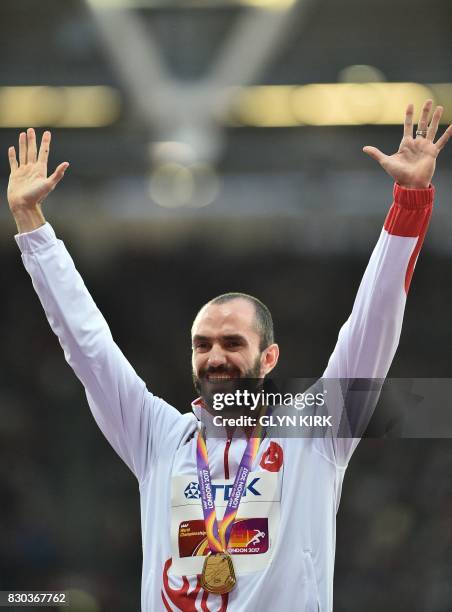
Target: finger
x: 12, y: 158
x: 423, y: 118
x: 22, y: 148
x: 433, y: 127
x: 375, y: 154
x: 45, y: 147
x: 408, y: 125
x: 56, y: 177
x: 441, y: 142
x: 31, y: 146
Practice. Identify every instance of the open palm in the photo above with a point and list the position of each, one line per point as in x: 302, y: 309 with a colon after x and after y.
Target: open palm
x: 28, y: 182
x: 414, y: 163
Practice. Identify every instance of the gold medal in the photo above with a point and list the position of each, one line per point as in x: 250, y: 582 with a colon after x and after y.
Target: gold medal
x: 218, y: 574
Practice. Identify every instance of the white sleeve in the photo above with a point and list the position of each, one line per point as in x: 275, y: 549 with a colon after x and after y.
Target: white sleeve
x: 135, y: 422
x: 368, y: 340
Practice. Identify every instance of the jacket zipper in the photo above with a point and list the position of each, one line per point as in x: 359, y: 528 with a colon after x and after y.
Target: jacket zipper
x: 226, y: 458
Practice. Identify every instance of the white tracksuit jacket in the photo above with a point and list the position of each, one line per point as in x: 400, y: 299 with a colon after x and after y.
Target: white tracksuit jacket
x: 285, y: 535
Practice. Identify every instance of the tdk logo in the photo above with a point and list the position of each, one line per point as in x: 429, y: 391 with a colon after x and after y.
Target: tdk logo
x: 191, y: 491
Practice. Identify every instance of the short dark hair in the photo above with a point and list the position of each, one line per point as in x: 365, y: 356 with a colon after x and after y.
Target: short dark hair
x: 264, y: 320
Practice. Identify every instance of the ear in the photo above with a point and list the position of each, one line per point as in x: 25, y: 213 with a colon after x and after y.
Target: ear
x: 269, y: 359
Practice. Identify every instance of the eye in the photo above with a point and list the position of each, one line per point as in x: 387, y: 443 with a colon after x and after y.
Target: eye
x: 201, y: 346
x: 233, y: 344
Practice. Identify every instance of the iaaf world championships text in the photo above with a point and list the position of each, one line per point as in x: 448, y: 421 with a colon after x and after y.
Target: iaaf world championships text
x: 248, y: 399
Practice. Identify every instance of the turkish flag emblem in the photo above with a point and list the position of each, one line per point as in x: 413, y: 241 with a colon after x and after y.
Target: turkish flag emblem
x: 272, y: 459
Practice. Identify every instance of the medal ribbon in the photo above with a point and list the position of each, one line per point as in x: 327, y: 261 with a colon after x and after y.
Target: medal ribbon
x: 218, y: 535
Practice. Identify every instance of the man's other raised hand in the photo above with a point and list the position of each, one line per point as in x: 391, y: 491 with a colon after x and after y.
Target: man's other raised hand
x: 28, y: 183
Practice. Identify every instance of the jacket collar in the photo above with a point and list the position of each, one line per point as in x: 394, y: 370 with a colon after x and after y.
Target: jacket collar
x: 205, y: 419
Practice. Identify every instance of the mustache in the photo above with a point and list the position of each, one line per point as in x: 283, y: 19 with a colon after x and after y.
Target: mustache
x: 223, y: 369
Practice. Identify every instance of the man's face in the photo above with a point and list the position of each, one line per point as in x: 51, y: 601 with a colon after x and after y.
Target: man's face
x: 226, y: 344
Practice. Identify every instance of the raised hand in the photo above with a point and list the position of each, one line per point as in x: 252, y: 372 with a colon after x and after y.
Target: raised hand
x: 28, y: 182
x: 414, y: 163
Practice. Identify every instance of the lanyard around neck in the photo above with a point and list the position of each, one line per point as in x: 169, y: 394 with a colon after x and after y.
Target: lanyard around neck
x: 218, y: 535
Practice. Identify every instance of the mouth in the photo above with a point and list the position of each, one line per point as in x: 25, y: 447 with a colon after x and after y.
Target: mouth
x: 220, y: 377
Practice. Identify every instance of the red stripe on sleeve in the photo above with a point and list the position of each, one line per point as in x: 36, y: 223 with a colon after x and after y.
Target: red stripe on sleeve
x: 410, y: 211
x: 414, y: 256
x: 409, y: 216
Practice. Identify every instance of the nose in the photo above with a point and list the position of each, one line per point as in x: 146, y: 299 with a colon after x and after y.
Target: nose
x: 216, y: 357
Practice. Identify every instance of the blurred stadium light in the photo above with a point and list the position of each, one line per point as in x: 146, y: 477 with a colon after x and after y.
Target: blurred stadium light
x: 174, y: 185
x: 361, y: 73
x: 149, y: 4
x: 72, y: 107
x: 177, y: 179
x: 316, y: 104
x: 334, y: 104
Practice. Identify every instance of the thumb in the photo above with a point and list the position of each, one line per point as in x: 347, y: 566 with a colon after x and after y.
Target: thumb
x: 56, y: 177
x: 374, y: 153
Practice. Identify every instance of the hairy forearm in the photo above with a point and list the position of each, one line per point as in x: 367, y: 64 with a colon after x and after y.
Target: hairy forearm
x: 28, y: 219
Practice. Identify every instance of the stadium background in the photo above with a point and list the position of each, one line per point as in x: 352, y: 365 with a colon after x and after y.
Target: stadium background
x: 181, y: 188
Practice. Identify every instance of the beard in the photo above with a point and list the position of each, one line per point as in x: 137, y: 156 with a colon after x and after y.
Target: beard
x: 207, y: 388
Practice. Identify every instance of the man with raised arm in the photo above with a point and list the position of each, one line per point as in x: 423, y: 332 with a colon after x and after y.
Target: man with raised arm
x: 202, y: 499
